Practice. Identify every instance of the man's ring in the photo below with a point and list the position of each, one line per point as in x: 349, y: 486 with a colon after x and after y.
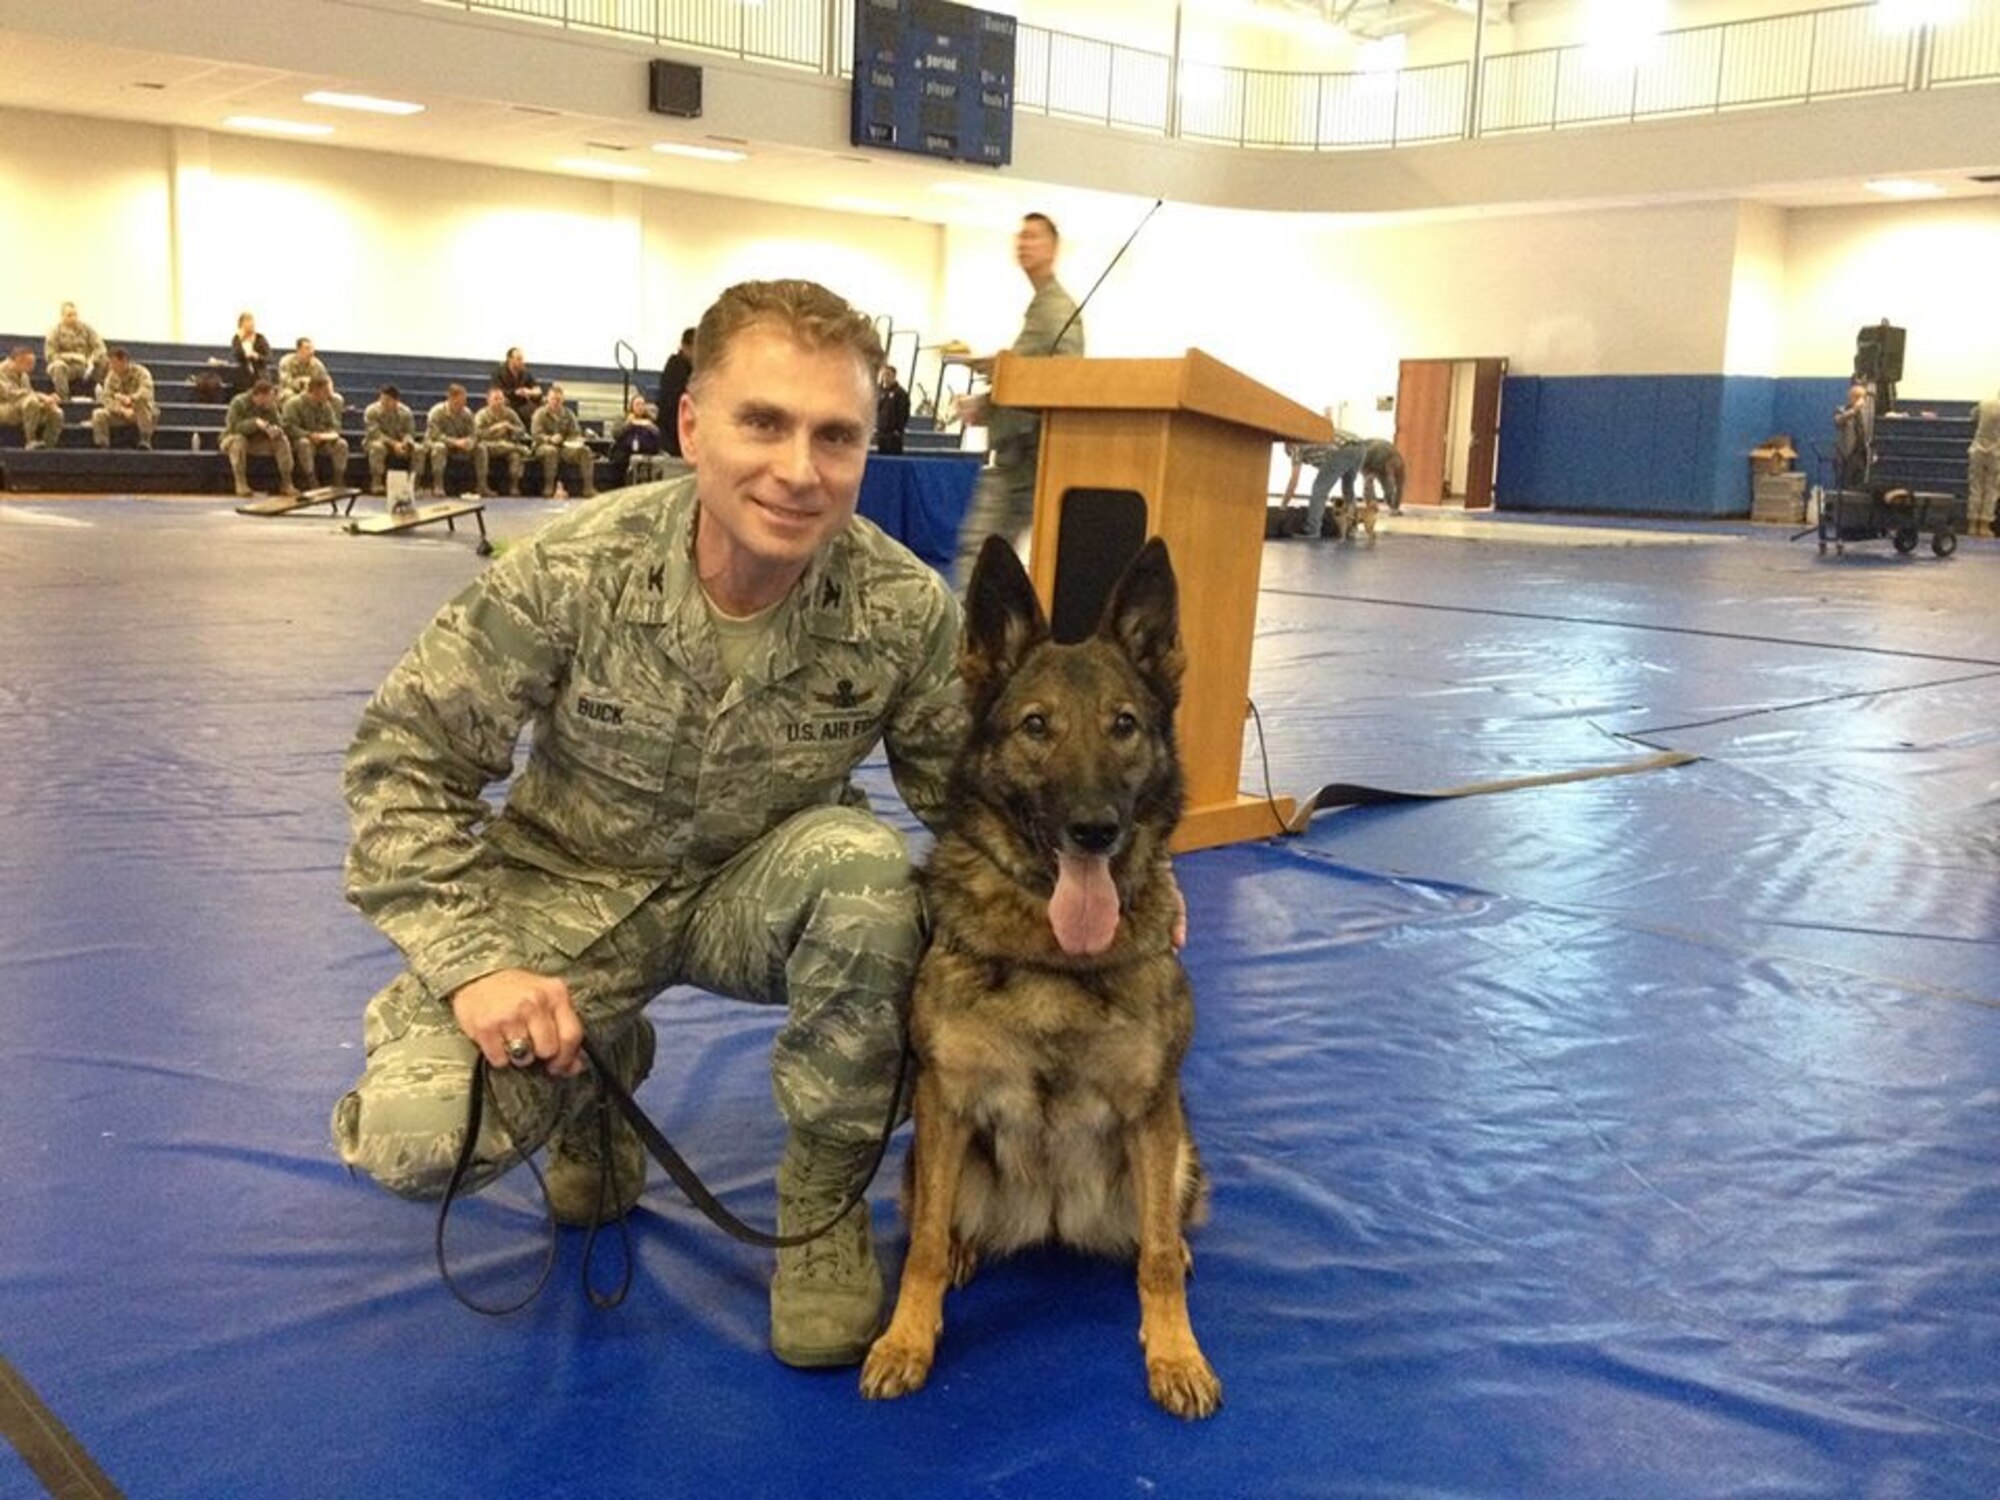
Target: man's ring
x: 520, y: 1050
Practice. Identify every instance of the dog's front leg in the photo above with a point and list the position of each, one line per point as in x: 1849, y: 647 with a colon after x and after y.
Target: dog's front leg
x: 901, y: 1359
x: 1176, y: 1371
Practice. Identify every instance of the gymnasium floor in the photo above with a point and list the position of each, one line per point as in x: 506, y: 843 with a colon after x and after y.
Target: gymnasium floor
x: 1628, y: 1137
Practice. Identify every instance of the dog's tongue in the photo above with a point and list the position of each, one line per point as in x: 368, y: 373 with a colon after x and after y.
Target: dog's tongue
x: 1084, y: 909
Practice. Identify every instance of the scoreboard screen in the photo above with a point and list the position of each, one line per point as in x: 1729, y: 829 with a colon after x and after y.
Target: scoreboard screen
x: 934, y: 78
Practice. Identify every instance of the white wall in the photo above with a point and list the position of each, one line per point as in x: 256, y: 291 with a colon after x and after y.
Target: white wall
x: 1754, y: 342
x: 1929, y: 267
x: 169, y: 234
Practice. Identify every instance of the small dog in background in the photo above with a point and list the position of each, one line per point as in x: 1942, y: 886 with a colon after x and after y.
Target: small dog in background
x: 1051, y: 1012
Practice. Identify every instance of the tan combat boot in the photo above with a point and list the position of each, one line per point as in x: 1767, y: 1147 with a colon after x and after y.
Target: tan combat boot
x: 826, y: 1298
x: 575, y: 1171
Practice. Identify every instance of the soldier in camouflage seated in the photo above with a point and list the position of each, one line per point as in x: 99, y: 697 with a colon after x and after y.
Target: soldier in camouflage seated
x: 705, y: 662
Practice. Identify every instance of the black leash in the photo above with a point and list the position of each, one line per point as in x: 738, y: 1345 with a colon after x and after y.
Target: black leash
x: 611, y: 1092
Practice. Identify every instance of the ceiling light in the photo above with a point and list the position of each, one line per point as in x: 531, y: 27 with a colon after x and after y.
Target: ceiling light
x: 698, y: 153
x: 1904, y: 187
x: 367, y: 103
x: 275, y: 127
x: 606, y: 168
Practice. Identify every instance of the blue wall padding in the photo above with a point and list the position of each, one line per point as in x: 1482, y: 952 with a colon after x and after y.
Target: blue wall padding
x: 1669, y: 445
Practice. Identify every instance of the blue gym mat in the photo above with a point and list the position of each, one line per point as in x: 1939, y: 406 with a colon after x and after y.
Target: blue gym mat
x: 1627, y: 1137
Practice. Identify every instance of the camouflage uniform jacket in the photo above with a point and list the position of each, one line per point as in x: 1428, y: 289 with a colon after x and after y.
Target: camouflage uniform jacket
x: 648, y: 767
x: 500, y: 425
x: 16, y: 390
x: 302, y: 415
x: 295, y: 374
x: 1014, y: 433
x: 77, y: 340
x: 556, y: 425
x: 135, y: 385
x: 397, y: 426
x: 442, y: 423
x: 245, y: 414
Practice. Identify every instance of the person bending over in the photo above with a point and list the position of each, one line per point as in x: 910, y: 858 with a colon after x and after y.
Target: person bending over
x: 704, y: 663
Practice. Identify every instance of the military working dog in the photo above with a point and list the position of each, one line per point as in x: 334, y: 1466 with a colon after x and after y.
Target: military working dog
x: 1051, y: 1013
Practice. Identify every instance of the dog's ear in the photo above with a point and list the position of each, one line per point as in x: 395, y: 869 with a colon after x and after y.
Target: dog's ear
x: 1003, y: 621
x: 1143, y: 619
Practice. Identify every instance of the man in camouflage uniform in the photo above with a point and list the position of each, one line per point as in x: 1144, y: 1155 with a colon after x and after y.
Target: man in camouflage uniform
x: 312, y: 423
x: 1003, y: 501
x: 37, y: 414
x: 125, y: 399
x: 559, y: 436
x: 74, y: 353
x: 705, y: 663
x: 390, y: 431
x: 297, y: 370
x: 451, y: 427
x: 253, y: 426
x: 498, y: 429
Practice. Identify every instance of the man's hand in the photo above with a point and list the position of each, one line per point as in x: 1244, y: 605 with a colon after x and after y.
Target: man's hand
x: 1179, y: 936
x: 511, y: 1004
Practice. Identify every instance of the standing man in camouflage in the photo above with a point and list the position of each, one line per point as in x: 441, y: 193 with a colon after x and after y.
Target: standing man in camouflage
x: 37, y: 414
x: 75, y: 354
x: 705, y: 663
x: 125, y: 399
x: 312, y: 422
x: 451, y: 427
x: 1004, y: 500
x: 253, y: 426
x: 498, y: 429
x: 389, y: 428
x: 559, y: 436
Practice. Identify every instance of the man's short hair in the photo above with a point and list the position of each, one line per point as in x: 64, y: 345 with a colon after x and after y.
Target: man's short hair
x: 261, y: 387
x: 390, y: 390
x: 1046, y: 222
x: 300, y: 342
x: 816, y: 317
x: 314, y: 382
x: 18, y: 350
x: 454, y: 389
x: 119, y: 354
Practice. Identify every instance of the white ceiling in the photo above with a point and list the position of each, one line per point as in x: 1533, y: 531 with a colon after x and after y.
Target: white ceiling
x: 64, y: 76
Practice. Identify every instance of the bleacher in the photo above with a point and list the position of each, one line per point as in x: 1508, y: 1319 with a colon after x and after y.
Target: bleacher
x: 186, y: 456
x: 1921, y: 447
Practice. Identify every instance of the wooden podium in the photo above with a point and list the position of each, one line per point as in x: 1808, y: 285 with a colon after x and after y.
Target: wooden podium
x: 1180, y: 449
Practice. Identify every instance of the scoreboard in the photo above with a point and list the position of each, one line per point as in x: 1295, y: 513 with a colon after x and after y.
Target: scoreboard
x: 934, y: 78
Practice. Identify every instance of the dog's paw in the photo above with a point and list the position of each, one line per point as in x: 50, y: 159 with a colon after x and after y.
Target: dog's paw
x: 894, y: 1367
x: 1186, y: 1386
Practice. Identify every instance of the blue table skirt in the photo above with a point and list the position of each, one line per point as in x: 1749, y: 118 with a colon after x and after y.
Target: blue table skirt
x: 921, y: 501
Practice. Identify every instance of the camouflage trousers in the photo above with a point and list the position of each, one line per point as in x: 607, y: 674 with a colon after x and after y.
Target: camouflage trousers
x: 1003, y: 504
x: 821, y: 916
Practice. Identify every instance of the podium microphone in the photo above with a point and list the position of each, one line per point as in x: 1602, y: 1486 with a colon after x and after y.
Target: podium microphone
x: 1069, y: 322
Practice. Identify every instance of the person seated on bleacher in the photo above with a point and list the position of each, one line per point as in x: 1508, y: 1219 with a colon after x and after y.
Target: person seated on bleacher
x: 124, y: 399
x: 498, y: 429
x: 75, y: 354
x: 296, y: 370
x: 391, y: 433
x: 250, y: 351
x: 449, y: 427
x: 558, y: 436
x: 524, y: 392
x: 636, y: 445
x: 311, y: 419
x: 252, y: 426
x: 39, y: 416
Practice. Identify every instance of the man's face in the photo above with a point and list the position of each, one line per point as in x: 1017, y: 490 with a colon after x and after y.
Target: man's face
x: 778, y: 435
x: 496, y: 399
x: 554, y: 399
x: 1034, y: 247
x: 119, y: 366
x: 305, y: 348
x: 264, y: 399
x: 455, y: 400
x: 389, y: 402
x: 69, y: 312
x: 319, y: 390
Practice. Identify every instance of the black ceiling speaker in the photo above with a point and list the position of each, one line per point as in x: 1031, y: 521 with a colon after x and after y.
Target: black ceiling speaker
x: 676, y: 89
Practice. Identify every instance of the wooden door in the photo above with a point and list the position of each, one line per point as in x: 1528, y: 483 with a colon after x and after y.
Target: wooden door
x: 1423, y: 427
x: 1485, y: 449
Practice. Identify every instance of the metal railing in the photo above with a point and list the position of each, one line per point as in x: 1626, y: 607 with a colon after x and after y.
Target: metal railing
x: 1831, y: 52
